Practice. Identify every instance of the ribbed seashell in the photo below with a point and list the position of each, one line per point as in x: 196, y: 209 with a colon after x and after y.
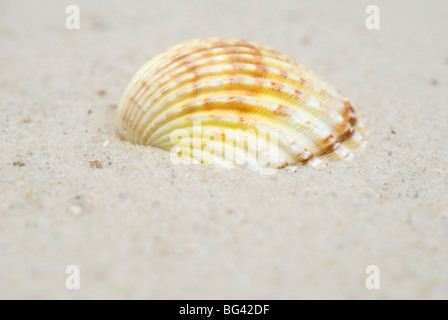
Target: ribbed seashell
x: 211, y: 87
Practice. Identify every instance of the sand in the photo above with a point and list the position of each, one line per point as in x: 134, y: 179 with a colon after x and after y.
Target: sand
x: 142, y: 227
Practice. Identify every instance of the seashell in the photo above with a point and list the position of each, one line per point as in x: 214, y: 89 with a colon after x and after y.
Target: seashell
x: 235, y: 103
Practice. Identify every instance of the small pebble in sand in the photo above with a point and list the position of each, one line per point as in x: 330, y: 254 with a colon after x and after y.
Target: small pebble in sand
x: 434, y: 82
x: 305, y: 40
x: 18, y: 164
x: 28, y: 120
x: 106, y: 143
x: 438, y: 206
x: 162, y: 249
x: 89, y: 112
x: 94, y: 200
x: 75, y: 210
x: 393, y: 132
x: 101, y: 92
x: 383, y: 197
x: 95, y: 164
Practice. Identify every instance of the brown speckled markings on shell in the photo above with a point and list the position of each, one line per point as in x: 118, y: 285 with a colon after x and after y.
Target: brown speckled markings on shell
x: 229, y: 83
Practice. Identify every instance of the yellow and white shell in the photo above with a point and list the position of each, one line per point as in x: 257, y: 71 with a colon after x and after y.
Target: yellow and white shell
x: 236, y: 91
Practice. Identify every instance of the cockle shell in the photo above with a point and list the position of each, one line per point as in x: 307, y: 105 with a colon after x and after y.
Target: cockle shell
x: 212, y: 87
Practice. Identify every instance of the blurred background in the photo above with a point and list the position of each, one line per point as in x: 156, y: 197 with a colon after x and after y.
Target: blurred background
x: 141, y: 227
